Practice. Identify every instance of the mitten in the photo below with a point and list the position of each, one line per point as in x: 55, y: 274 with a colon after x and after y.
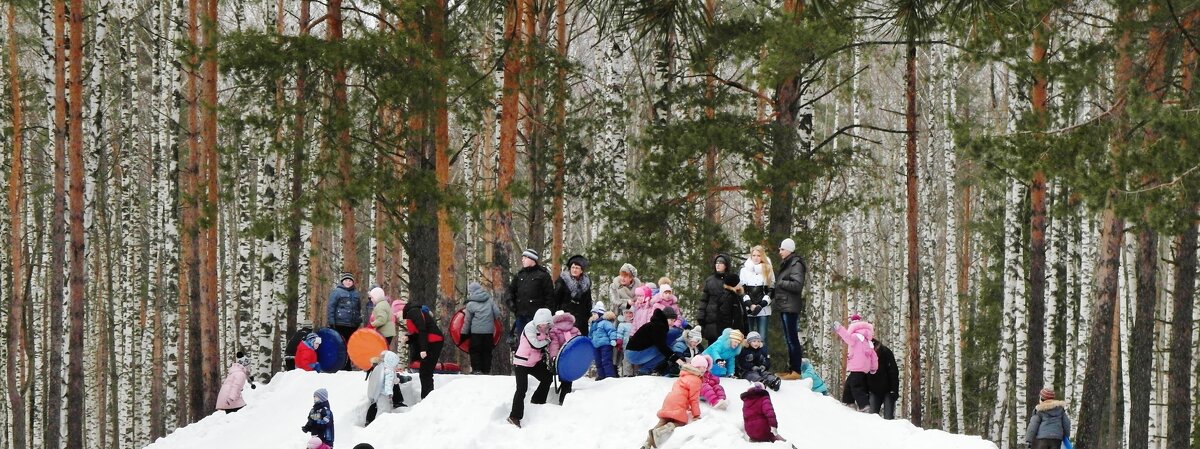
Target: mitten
x: 745, y: 298
x: 766, y: 299
x: 834, y: 325
x: 614, y: 343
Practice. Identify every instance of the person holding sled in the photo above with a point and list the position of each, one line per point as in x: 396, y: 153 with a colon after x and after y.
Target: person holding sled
x: 306, y: 353
x: 480, y: 325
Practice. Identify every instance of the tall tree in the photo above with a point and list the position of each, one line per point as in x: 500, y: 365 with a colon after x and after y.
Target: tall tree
x: 1097, y: 377
x: 193, y: 243
x: 296, y: 207
x: 15, y: 374
x: 441, y: 148
x: 560, y: 138
x: 345, y: 154
x: 58, y: 227
x: 78, y: 280
x: 1037, y: 229
x: 509, y: 96
x: 210, y: 343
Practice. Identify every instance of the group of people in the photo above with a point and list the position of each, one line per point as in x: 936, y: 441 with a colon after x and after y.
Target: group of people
x: 640, y: 330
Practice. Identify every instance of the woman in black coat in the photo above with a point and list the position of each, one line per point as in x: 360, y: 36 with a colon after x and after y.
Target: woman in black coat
x: 424, y: 342
x: 573, y: 292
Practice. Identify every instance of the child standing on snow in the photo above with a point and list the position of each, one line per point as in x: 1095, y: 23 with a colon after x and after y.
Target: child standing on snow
x: 724, y: 352
x: 562, y: 330
x: 710, y: 388
x: 643, y: 307
x: 381, y: 383
x: 624, y: 331
x: 480, y: 326
x: 860, y: 360
x: 758, y: 415
x: 230, y: 398
x: 754, y: 363
x: 682, y: 404
x: 528, y: 360
x: 320, y: 418
x: 306, y: 353
x: 1050, y: 425
x: 604, y: 339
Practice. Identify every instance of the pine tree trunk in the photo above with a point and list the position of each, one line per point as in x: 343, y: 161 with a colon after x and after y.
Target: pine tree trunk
x: 790, y: 121
x: 345, y: 157
x: 914, y: 263
x: 711, y: 181
x: 441, y: 148
x: 17, y: 352
x: 209, y: 328
x: 78, y: 280
x: 1179, y: 383
x: 560, y: 139
x: 502, y: 247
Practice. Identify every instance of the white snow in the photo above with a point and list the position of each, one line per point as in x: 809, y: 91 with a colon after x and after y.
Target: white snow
x: 470, y: 412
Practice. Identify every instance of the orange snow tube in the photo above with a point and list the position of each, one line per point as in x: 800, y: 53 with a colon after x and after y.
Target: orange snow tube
x: 365, y: 344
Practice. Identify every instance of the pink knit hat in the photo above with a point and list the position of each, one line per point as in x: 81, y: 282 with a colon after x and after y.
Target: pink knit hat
x: 702, y: 362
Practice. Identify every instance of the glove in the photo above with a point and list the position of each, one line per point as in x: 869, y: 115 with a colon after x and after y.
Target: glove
x: 766, y: 299
x: 614, y: 343
x: 745, y: 298
x: 423, y: 354
x: 316, y: 367
x: 834, y: 325
x: 315, y: 416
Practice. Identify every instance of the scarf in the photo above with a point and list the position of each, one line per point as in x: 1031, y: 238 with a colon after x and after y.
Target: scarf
x: 576, y: 286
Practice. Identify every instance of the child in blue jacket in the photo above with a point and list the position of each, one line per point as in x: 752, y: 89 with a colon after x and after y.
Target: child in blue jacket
x: 724, y: 352
x: 624, y: 331
x: 320, y: 418
x: 604, y: 338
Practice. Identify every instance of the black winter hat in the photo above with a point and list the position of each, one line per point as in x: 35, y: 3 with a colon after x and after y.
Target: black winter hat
x: 578, y: 259
x: 732, y: 279
x: 345, y: 275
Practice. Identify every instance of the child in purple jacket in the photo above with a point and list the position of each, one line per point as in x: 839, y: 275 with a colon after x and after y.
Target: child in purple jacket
x: 759, y: 415
x: 710, y: 388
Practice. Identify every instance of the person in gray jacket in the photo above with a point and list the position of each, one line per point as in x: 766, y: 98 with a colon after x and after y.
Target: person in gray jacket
x: 480, y: 325
x: 1049, y: 424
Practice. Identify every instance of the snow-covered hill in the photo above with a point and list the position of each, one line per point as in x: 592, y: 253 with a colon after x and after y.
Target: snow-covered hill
x: 470, y: 412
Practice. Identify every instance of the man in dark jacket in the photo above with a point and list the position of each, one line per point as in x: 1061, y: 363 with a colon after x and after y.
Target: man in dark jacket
x: 345, y: 311
x: 710, y: 299
x: 789, y: 302
x: 529, y: 290
x: 884, y: 384
x: 573, y: 292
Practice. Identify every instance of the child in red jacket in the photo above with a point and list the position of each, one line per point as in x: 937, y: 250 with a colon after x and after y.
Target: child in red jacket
x: 306, y: 353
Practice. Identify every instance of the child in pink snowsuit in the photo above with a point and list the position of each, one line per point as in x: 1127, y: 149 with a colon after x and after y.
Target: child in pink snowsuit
x: 643, y: 306
x: 562, y: 330
x: 710, y: 388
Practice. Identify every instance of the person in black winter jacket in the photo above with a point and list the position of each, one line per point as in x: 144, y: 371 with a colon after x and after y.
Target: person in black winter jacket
x: 573, y: 292
x: 344, y: 309
x: 424, y: 342
x: 648, y: 348
x: 884, y: 383
x: 714, y: 315
x: 529, y: 290
x: 789, y: 303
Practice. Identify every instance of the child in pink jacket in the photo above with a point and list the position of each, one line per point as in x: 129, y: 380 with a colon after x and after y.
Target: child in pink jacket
x: 710, y: 387
x: 562, y: 330
x: 860, y: 360
x: 643, y: 305
x: 316, y: 443
x: 229, y: 398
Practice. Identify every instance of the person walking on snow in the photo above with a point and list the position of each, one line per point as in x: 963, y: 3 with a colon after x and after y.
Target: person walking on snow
x: 789, y: 301
x: 861, y: 360
x: 320, y: 418
x: 529, y: 360
x: 529, y: 290
x: 884, y: 383
x: 381, y: 383
x: 480, y: 326
x: 573, y: 292
x: 345, y: 310
x: 1049, y: 425
x: 229, y: 398
x: 381, y: 315
x: 562, y: 330
x: 604, y: 339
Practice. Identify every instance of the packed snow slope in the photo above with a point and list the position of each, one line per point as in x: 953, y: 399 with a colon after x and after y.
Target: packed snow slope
x: 470, y: 411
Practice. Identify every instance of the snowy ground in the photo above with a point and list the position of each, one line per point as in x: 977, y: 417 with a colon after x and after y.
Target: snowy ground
x: 470, y: 412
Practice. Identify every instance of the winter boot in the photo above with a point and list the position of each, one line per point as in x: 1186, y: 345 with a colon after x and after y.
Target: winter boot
x: 721, y: 405
x: 790, y: 375
x: 515, y: 422
x: 660, y: 434
x: 773, y: 382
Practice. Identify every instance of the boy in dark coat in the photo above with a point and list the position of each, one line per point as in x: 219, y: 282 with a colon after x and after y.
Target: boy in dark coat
x: 754, y: 364
x: 884, y: 384
x: 320, y: 418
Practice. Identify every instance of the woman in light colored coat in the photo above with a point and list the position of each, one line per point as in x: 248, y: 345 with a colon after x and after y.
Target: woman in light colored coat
x: 381, y: 315
x: 620, y: 293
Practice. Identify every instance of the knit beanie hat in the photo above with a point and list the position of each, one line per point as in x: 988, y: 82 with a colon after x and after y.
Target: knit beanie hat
x: 736, y: 336
x: 732, y: 279
x: 315, y: 442
x: 344, y: 276
x: 376, y: 294
x: 1046, y: 394
x: 753, y: 335
x: 242, y: 359
x: 855, y: 317
x: 321, y: 395
x: 694, y: 334
x: 701, y: 362
x: 533, y: 255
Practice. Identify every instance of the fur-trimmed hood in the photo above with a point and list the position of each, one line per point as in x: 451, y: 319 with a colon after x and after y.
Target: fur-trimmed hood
x: 1049, y: 405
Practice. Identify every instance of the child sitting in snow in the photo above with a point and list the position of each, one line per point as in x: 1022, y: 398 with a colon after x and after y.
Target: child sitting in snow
x: 604, y: 339
x: 316, y: 443
x: 818, y: 384
x: 724, y: 352
x: 320, y: 418
x: 710, y: 389
x: 682, y: 404
x: 759, y: 415
x: 754, y: 363
x: 306, y: 353
x: 624, y: 331
x: 688, y: 345
x: 562, y: 330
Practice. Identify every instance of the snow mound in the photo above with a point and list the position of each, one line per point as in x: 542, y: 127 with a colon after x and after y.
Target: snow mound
x: 470, y: 412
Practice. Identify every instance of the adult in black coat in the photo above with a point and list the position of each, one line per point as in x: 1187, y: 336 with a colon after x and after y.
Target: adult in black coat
x: 648, y: 347
x: 573, y: 292
x: 713, y: 314
x: 529, y: 290
x: 884, y: 383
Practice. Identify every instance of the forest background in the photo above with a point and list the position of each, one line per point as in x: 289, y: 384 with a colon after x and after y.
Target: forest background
x: 1008, y: 190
